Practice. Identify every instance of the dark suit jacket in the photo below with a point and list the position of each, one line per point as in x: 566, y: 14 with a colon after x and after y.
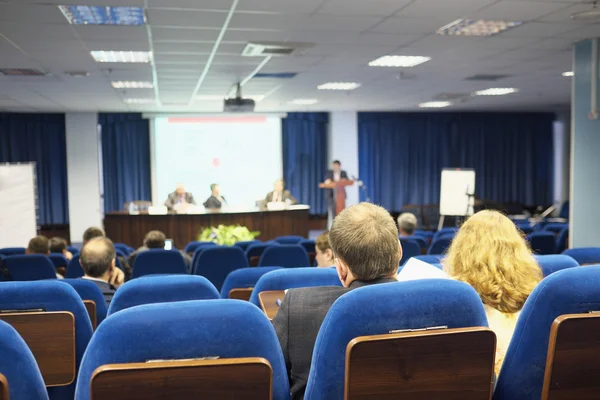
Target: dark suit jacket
x: 173, y: 198
x: 286, y: 196
x: 329, y: 175
x: 298, y: 322
x: 213, y: 202
x: 108, y: 290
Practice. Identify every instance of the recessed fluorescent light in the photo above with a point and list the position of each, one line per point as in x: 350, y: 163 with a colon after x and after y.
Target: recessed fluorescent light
x: 435, y: 104
x: 216, y: 97
x: 132, y: 85
x: 496, y: 91
x: 481, y: 27
x: 568, y: 73
x: 339, y: 86
x: 399, y: 61
x: 139, y: 101
x: 121, y: 56
x: 102, y: 15
x: 304, y: 102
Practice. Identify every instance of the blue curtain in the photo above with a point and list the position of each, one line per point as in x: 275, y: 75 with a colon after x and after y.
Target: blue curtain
x: 40, y: 138
x: 304, y: 150
x: 125, y: 159
x: 401, y: 155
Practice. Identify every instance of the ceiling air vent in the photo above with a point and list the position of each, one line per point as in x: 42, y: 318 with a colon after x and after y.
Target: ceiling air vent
x: 273, y: 49
x: 21, y: 72
x: 486, y: 77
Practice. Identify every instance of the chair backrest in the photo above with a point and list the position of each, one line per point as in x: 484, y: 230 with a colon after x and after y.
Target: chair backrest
x: 564, y: 210
x: 431, y: 259
x: 421, y: 241
x: 23, y: 379
x: 573, y: 353
x: 50, y: 296
x: 584, y: 255
x: 243, y: 278
x: 542, y: 242
x: 289, y: 278
x: 162, y: 289
x: 562, y: 240
x: 290, y: 239
x: 158, y: 261
x: 428, y: 235
x: 255, y: 251
x: 285, y: 255
x: 125, y: 249
x: 12, y: 251
x: 74, y: 269
x: 29, y: 267
x: 410, y: 248
x: 555, y: 227
x: 526, y: 229
x: 456, y: 363
x: 439, y: 246
x: 217, y: 262
x: 380, y: 309
x: 234, y: 378
x: 58, y: 260
x: 309, y: 245
x: 192, y: 247
x: 570, y: 291
x: 449, y: 231
x: 245, y: 244
x: 89, y: 291
x: 185, y: 330
x: 555, y: 262
x: 73, y: 250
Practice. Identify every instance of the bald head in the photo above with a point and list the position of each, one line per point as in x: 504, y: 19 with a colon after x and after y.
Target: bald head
x: 97, y: 257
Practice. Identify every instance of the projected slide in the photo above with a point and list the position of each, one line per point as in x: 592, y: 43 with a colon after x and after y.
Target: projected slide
x: 242, y: 154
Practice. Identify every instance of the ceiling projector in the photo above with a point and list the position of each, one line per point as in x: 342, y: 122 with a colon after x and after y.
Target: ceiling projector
x: 238, y: 104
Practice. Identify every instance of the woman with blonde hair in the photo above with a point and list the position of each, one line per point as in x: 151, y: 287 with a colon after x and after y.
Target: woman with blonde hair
x: 490, y: 254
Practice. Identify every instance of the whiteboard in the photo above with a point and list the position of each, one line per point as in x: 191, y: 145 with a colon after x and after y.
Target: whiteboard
x: 456, y: 185
x: 18, y: 213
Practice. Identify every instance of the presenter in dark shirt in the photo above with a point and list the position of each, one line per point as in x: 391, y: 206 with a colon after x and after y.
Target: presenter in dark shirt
x: 335, y: 174
x: 215, y: 201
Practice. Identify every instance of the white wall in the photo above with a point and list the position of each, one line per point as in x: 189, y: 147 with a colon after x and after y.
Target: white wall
x: 83, y: 173
x: 343, y: 146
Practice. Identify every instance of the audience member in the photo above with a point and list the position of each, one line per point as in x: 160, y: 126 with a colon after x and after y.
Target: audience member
x: 364, y: 240
x: 407, y: 224
x: 38, y: 245
x: 97, y: 259
x: 156, y: 240
x: 489, y: 253
x: 324, y: 254
x: 215, y: 201
x: 59, y: 245
x: 91, y: 233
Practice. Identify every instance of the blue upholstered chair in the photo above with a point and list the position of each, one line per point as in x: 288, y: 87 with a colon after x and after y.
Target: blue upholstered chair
x: 58, y: 260
x: 421, y: 241
x: 379, y: 309
x: 121, y: 253
x: 245, y: 244
x: 584, y: 255
x: 564, y: 210
x: 19, y: 367
x: 125, y: 249
x: 73, y: 250
x: 285, y: 255
x: 410, y: 248
x: 51, y: 295
x: 89, y: 291
x: 243, y: 278
x: 289, y: 278
x: 542, y: 242
x: 526, y: 229
x: 555, y: 262
x: 162, y: 289
x: 29, y: 267
x: 191, y: 247
x: 158, y: 261
x: 12, y: 251
x: 290, y: 239
x: 74, y: 269
x: 571, y: 291
x: 216, y: 263
x: 191, y: 329
x: 562, y: 240
x: 427, y: 235
x: 449, y: 231
x: 256, y: 250
x: 439, y: 246
x: 309, y: 245
x: 555, y: 227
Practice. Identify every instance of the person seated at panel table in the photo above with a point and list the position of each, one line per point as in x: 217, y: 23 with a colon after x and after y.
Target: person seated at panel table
x: 279, y: 194
x: 179, y: 197
x: 215, y: 200
x: 156, y: 240
x: 324, y: 254
x: 97, y: 259
x: 364, y: 239
x: 407, y: 224
x: 58, y: 245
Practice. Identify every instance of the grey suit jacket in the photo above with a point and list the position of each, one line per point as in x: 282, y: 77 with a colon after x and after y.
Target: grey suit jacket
x: 173, y: 199
x: 286, y: 196
x: 297, y: 324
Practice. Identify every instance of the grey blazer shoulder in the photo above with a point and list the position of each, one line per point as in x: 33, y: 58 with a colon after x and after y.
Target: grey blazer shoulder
x: 172, y: 199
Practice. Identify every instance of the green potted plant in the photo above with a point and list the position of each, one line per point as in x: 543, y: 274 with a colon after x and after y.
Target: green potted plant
x: 227, y: 235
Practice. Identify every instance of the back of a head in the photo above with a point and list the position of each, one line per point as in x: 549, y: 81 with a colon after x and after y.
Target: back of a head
x: 91, y: 233
x: 38, y: 245
x: 155, y: 240
x: 365, y: 237
x: 490, y: 254
x: 322, y: 241
x: 57, y: 244
x: 97, y: 256
x: 407, y: 223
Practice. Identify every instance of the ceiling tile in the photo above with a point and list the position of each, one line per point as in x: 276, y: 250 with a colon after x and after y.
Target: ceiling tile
x: 47, y: 14
x: 180, y: 35
x: 381, y: 8
x: 538, y: 30
x: 302, y: 22
x: 186, y: 18
x: 410, y: 25
x: 449, y: 10
x: 518, y: 10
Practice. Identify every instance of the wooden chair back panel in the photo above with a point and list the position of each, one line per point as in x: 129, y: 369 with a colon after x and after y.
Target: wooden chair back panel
x: 572, y: 366
x: 268, y: 301
x: 90, y: 306
x: 448, y: 364
x: 236, y: 378
x: 4, y: 388
x: 241, y: 293
x: 51, y: 338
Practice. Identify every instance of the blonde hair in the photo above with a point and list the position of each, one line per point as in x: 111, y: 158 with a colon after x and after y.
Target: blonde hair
x: 322, y: 241
x: 491, y: 255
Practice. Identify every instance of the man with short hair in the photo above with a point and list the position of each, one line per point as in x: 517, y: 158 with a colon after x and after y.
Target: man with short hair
x: 97, y: 259
x: 58, y: 245
x: 364, y: 240
x: 407, y: 224
x: 215, y: 201
x: 156, y: 240
x: 91, y: 233
x: 38, y: 245
x: 279, y: 194
x: 179, y: 197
